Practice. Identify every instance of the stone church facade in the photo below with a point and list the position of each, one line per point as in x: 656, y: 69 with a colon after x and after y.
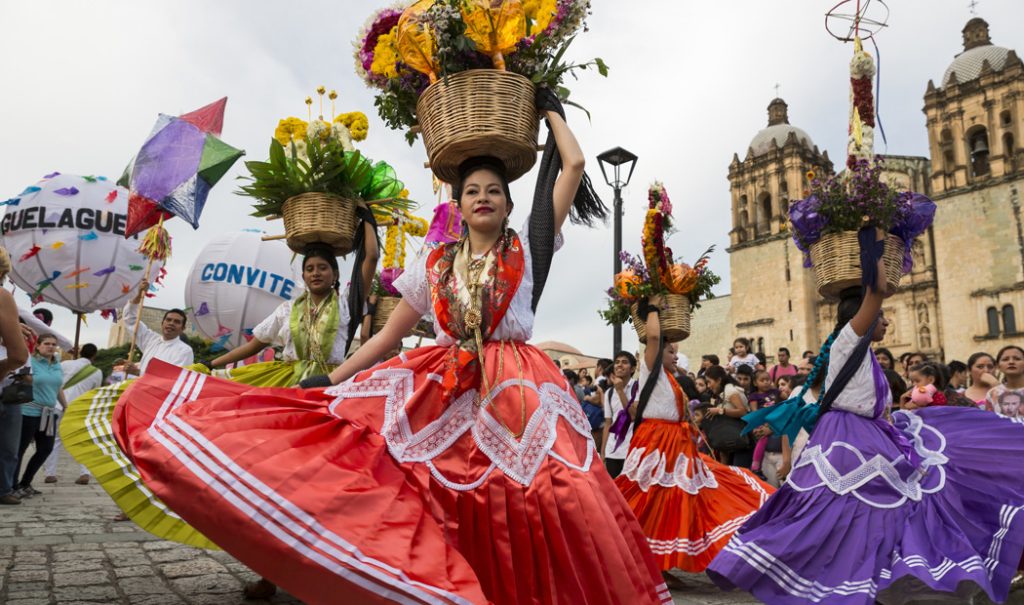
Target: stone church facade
x: 967, y: 286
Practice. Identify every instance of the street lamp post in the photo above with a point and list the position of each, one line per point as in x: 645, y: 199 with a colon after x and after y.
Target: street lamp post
x: 617, y: 159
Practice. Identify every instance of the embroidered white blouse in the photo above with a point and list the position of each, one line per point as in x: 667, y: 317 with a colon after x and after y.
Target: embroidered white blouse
x: 276, y: 331
x: 517, y: 324
x: 662, y: 404
x: 859, y: 395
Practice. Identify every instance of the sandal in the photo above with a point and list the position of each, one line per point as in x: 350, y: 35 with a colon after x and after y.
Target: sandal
x: 261, y: 589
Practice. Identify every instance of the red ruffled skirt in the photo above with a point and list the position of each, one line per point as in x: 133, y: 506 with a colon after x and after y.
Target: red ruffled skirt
x: 688, y: 504
x: 382, y: 489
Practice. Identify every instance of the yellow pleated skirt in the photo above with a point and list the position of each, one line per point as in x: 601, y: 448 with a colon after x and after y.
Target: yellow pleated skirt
x: 86, y: 432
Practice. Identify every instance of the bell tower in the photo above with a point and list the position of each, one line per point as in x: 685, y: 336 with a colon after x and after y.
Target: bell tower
x: 975, y: 120
x: 772, y: 173
x: 774, y: 299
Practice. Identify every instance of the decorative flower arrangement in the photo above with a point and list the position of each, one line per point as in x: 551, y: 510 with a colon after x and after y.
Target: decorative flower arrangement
x: 319, y: 156
x: 657, y: 272
x: 399, y: 225
x: 855, y: 199
x: 404, y: 48
x: 859, y: 197
x: 861, y: 142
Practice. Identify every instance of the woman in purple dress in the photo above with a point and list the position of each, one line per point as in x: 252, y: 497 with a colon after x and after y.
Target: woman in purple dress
x: 928, y: 506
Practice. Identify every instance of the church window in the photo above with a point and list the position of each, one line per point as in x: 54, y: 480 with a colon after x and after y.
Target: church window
x: 1009, y: 320
x: 1005, y: 119
x: 993, y: 321
x: 1008, y: 151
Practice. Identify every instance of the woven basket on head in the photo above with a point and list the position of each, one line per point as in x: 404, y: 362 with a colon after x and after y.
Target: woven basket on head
x: 675, y: 319
x: 385, y: 306
x: 836, y: 260
x: 319, y: 217
x: 475, y: 113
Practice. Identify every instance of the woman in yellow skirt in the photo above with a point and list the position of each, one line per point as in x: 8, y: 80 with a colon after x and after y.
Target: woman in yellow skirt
x: 314, y: 333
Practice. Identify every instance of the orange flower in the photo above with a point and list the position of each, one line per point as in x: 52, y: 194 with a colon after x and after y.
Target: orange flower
x: 681, y: 279
x: 625, y: 281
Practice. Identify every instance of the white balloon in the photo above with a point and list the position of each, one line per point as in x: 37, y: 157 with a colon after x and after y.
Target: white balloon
x: 236, y: 282
x: 65, y: 236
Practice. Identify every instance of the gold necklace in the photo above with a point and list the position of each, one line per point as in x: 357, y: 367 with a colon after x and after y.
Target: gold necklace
x: 473, y: 319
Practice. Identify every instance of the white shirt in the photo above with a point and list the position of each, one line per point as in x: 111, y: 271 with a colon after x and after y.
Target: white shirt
x: 517, y: 324
x: 70, y: 368
x: 276, y: 331
x: 662, y: 405
x: 174, y: 351
x: 750, y: 360
x: 859, y: 395
x: 612, y: 406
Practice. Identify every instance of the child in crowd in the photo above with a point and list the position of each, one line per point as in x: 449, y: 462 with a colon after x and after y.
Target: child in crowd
x: 742, y: 355
x: 763, y: 395
x: 698, y: 411
x: 703, y: 392
x: 958, y: 374
x: 785, y: 387
x: 928, y: 387
x: 745, y: 378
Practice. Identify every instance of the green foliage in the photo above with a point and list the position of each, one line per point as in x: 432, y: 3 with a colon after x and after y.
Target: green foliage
x: 105, y: 358
x: 326, y: 167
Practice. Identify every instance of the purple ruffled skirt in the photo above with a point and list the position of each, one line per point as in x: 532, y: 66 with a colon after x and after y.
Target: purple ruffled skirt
x: 869, y: 513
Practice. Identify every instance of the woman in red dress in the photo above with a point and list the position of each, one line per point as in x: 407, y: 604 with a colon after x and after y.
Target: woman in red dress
x: 458, y: 473
x: 688, y: 504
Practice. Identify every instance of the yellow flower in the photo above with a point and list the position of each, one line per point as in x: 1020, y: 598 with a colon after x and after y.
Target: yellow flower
x: 321, y: 89
x: 540, y: 12
x: 385, y: 54
x: 289, y: 129
x: 356, y: 123
x: 810, y: 175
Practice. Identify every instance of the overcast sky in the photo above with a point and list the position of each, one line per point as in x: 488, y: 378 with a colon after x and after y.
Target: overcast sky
x: 689, y: 86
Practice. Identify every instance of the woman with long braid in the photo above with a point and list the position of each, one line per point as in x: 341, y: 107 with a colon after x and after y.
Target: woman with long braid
x: 688, y: 504
x: 874, y: 511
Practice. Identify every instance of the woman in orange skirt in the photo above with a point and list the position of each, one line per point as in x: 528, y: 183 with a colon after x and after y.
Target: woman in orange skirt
x: 687, y: 504
x: 463, y: 472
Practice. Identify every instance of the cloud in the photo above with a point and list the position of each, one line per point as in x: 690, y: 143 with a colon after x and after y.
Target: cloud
x: 689, y: 86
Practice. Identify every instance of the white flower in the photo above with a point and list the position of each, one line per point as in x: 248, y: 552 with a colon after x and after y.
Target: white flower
x: 862, y: 65
x: 867, y: 143
x: 343, y: 136
x: 318, y: 129
x: 300, y: 149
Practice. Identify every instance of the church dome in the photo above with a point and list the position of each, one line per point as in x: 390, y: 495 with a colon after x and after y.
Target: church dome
x: 967, y: 65
x: 778, y: 130
x: 978, y: 49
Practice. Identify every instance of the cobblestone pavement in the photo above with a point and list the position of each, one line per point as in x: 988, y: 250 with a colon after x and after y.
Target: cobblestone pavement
x: 64, y: 547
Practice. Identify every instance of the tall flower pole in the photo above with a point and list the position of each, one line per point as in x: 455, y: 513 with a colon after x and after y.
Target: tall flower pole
x: 156, y: 245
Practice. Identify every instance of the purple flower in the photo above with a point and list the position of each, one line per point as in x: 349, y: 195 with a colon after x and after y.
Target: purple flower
x: 807, y: 221
x: 387, y: 280
x: 917, y: 215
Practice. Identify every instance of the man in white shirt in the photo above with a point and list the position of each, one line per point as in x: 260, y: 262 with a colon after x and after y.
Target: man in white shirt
x: 80, y: 377
x: 622, y: 394
x: 166, y: 345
